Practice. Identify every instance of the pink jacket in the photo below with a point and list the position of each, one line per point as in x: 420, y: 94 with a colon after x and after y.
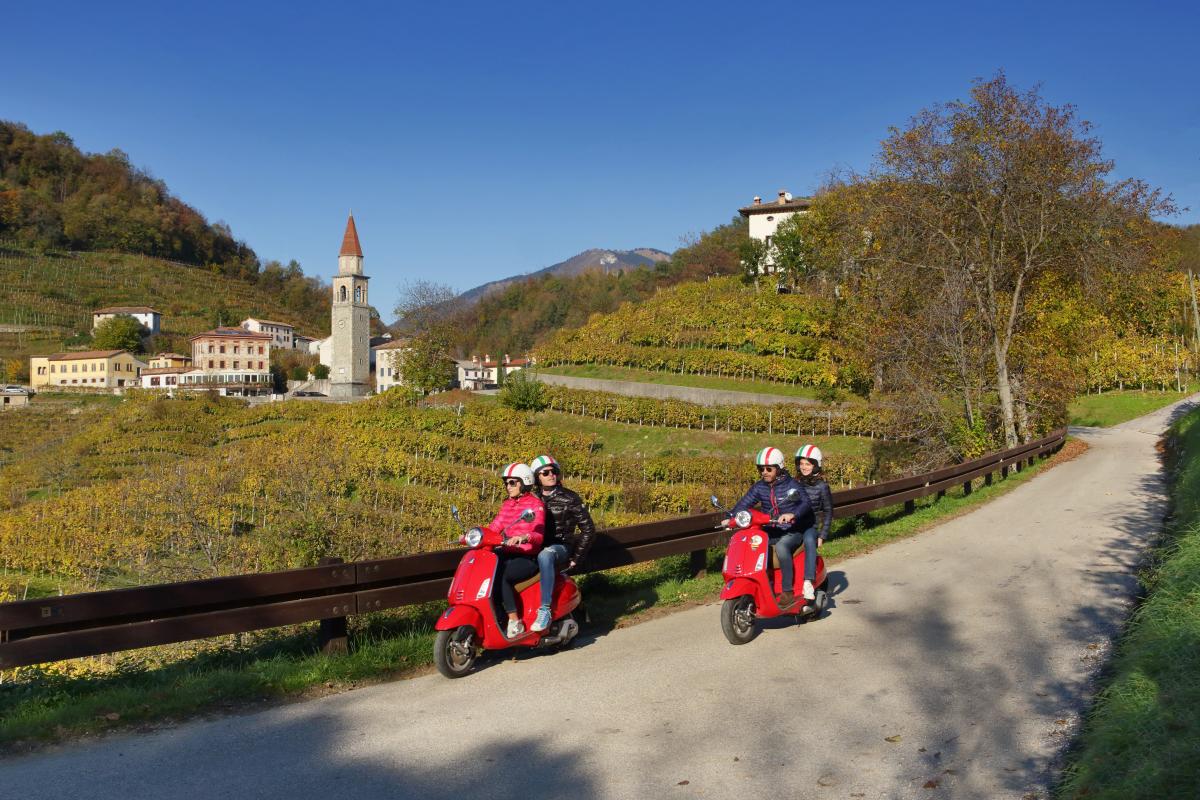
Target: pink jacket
x: 510, y: 509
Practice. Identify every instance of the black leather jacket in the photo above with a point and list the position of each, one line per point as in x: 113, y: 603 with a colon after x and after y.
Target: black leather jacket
x: 568, y: 522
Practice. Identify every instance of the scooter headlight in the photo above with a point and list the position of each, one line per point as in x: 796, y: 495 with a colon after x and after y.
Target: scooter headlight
x: 742, y: 519
x: 473, y: 537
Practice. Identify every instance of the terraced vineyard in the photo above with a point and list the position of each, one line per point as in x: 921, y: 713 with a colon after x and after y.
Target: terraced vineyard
x: 158, y: 490
x: 719, y: 327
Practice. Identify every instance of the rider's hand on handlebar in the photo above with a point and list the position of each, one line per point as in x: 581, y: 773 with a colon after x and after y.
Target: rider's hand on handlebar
x: 786, y: 519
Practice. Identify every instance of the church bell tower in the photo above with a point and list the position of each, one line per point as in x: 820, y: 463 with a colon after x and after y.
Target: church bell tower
x: 349, y: 374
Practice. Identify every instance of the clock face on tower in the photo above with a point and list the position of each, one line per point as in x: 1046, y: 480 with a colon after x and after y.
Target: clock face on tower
x: 341, y: 323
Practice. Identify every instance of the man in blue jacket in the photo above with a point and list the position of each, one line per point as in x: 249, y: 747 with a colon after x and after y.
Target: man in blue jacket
x: 779, y: 494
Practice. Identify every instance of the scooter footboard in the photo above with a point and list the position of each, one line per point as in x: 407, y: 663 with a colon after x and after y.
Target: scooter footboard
x: 457, y: 616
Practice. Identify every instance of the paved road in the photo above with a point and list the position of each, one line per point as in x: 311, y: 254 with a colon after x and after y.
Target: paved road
x: 953, y: 664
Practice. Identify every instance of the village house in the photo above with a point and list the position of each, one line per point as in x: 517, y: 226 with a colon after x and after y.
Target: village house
x: 164, y: 360
x: 13, y: 396
x: 386, y: 358
x: 149, y: 318
x: 765, y: 218
x: 483, y: 373
x: 92, y: 369
x: 282, y: 335
x: 163, y: 377
x: 232, y: 361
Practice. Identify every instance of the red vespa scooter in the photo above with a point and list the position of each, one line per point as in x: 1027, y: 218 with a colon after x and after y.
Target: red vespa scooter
x: 752, y: 581
x: 472, y: 623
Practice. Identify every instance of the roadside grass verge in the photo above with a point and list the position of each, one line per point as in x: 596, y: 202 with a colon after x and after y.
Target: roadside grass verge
x: 158, y: 686
x: 1115, y: 407
x: 612, y: 373
x: 1142, y: 736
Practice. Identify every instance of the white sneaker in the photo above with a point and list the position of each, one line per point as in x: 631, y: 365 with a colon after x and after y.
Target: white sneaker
x: 515, y: 628
x: 809, y: 594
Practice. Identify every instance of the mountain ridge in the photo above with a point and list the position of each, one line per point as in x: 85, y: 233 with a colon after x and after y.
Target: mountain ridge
x: 595, y: 258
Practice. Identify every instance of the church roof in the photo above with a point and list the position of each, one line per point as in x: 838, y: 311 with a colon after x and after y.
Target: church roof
x: 350, y: 245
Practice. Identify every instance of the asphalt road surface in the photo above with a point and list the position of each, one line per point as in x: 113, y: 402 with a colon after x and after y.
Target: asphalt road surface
x: 953, y: 664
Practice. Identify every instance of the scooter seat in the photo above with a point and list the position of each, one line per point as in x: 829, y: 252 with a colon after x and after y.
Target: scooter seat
x: 525, y: 584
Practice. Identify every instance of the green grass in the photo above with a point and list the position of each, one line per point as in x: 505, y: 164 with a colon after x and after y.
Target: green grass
x: 1142, y: 737
x: 702, y: 381
x: 59, y: 701
x: 621, y: 438
x: 1115, y: 407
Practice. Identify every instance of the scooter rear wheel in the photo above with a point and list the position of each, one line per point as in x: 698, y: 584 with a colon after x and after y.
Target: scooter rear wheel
x: 455, y: 651
x: 737, y: 619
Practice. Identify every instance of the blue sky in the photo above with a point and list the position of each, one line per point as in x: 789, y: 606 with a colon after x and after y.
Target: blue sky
x: 478, y: 140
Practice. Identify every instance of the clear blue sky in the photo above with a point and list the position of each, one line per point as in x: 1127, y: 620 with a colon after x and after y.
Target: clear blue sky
x: 478, y: 140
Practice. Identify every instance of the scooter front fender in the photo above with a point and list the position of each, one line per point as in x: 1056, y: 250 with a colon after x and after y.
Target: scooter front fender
x: 736, y: 587
x: 457, y: 616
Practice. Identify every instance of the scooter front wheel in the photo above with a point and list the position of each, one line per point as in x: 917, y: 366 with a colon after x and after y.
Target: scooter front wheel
x: 737, y: 619
x: 455, y: 651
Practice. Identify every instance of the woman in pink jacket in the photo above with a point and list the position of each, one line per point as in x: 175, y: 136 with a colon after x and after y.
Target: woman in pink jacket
x: 522, y: 540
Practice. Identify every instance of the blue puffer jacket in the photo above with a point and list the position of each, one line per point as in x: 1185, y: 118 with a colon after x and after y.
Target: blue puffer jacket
x: 772, y: 498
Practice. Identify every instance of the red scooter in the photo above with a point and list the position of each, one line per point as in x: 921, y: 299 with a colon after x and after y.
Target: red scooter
x: 473, y: 622
x: 753, y: 582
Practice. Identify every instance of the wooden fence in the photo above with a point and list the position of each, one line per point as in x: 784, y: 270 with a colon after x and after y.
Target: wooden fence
x: 71, y: 626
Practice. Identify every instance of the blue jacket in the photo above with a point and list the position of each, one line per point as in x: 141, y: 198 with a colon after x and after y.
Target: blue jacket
x: 773, y: 499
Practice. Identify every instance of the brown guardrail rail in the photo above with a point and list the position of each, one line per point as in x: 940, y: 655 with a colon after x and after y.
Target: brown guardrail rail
x: 72, y: 626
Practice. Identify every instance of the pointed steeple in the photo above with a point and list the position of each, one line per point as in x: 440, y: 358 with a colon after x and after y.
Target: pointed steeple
x: 350, y: 245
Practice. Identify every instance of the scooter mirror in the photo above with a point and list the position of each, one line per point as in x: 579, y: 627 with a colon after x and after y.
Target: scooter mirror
x: 454, y: 513
x: 527, y: 516
x: 791, y: 492
x: 716, y: 503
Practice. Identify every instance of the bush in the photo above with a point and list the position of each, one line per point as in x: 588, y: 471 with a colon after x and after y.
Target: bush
x: 320, y: 372
x: 523, y: 392
x: 298, y: 373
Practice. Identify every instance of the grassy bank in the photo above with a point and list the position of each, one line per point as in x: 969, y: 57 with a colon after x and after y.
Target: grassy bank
x: 1115, y: 407
x: 69, y: 699
x: 614, y: 373
x: 1142, y: 737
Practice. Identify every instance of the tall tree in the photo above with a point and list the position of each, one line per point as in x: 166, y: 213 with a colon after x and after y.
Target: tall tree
x: 994, y: 194
x: 121, y: 332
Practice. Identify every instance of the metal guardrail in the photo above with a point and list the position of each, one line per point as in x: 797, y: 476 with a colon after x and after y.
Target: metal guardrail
x: 72, y: 626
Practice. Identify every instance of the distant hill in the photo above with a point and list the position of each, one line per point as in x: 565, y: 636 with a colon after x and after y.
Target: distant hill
x: 587, y: 261
x: 46, y: 300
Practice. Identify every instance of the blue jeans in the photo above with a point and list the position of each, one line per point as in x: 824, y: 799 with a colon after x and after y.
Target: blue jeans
x: 786, y: 546
x: 549, y: 560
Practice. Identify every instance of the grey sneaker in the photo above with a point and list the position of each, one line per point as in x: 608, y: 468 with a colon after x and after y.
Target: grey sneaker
x: 515, y: 628
x: 809, y: 594
x: 543, y: 620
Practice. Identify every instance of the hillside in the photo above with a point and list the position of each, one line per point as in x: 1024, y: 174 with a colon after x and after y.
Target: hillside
x: 47, y: 299
x: 587, y: 261
x: 718, y: 327
x: 516, y: 316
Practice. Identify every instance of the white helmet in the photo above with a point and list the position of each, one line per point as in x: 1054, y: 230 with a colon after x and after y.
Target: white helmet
x: 769, y: 456
x: 811, y: 453
x: 544, y: 461
x: 518, y: 470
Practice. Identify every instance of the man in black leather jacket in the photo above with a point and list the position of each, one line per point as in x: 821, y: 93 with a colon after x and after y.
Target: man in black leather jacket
x: 569, y: 531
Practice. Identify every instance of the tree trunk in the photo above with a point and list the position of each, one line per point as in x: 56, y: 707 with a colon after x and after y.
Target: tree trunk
x: 1004, y: 390
x: 1022, y: 410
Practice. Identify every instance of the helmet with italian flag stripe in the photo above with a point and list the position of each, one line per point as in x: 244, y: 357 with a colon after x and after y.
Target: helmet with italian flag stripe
x: 810, y: 452
x: 769, y: 456
x: 541, y: 462
x: 518, y: 470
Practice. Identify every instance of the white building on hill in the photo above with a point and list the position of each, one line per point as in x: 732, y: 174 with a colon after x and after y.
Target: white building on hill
x: 765, y: 218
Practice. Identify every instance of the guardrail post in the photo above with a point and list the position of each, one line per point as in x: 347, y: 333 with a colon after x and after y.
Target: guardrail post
x: 967, y: 488
x: 910, y: 506
x: 987, y: 479
x: 941, y: 494
x: 1004, y: 471
x: 698, y: 563
x: 333, y: 636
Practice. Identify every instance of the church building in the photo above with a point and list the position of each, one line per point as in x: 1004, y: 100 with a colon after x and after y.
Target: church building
x: 350, y: 339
